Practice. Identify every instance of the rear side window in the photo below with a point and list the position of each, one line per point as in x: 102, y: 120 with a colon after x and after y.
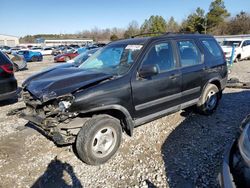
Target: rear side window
x: 189, y: 53
x: 212, y: 47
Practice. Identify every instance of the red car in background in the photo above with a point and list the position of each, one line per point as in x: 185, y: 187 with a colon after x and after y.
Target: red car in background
x: 65, y: 57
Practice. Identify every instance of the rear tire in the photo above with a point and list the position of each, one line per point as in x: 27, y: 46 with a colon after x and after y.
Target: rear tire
x: 209, y: 100
x: 34, y: 59
x: 237, y: 59
x: 99, y: 139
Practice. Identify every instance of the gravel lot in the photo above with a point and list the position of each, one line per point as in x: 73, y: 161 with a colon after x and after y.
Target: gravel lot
x: 180, y: 150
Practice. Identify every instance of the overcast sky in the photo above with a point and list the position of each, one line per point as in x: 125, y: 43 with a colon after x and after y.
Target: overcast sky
x: 22, y: 17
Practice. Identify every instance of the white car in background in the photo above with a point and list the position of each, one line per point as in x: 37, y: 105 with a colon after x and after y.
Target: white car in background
x: 241, y: 48
x: 43, y: 51
x: 47, y: 51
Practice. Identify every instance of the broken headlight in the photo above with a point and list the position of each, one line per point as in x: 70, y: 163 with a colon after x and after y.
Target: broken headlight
x: 244, y: 141
x: 65, y: 102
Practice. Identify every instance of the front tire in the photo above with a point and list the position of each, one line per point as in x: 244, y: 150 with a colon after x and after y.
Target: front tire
x: 209, y: 100
x: 99, y: 139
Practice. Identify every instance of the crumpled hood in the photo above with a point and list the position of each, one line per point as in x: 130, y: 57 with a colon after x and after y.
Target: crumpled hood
x: 50, y: 84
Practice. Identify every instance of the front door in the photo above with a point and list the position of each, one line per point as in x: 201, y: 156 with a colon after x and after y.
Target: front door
x: 157, y: 94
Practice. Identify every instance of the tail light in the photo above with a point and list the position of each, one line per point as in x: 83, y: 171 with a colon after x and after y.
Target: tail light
x: 8, y: 68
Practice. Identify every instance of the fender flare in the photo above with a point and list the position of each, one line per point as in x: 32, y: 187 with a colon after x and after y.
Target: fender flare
x: 129, y: 121
x: 209, y: 82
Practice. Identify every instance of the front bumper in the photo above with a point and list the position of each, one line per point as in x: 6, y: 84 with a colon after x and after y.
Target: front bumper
x: 49, y: 129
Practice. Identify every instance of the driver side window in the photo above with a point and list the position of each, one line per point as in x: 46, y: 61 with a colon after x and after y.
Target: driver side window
x: 160, y: 54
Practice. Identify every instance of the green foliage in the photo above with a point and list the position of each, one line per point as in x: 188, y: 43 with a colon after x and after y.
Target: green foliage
x: 172, y: 25
x: 240, y: 24
x: 133, y: 29
x: 114, y: 37
x: 217, y: 14
x: 195, y: 22
x: 154, y: 24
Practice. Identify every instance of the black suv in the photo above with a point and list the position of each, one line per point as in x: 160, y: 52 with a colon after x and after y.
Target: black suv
x: 8, y: 83
x: 126, y: 84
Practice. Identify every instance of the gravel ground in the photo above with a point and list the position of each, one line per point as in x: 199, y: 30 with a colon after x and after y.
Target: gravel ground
x: 180, y: 150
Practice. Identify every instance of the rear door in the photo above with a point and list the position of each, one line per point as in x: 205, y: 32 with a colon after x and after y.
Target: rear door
x: 158, y: 94
x: 192, y: 67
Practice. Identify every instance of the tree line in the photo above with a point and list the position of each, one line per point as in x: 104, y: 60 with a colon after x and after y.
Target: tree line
x: 217, y: 21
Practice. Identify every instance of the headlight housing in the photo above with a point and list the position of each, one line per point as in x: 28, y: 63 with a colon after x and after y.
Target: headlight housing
x: 65, y: 102
x: 244, y: 141
x: 64, y: 105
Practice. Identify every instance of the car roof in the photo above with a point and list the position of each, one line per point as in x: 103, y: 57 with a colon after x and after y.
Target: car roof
x: 131, y: 41
x: 143, y: 40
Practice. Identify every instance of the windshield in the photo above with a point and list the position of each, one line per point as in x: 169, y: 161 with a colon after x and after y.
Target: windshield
x: 114, y: 59
x: 78, y: 60
x: 231, y: 43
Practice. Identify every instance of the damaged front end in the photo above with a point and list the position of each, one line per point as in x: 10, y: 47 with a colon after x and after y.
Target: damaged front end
x: 52, y: 117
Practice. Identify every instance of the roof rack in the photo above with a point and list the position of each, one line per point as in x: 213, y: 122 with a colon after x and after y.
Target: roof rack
x: 150, y: 33
x: 163, y: 33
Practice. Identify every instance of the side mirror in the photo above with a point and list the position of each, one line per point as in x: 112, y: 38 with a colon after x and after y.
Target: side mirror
x: 149, y: 70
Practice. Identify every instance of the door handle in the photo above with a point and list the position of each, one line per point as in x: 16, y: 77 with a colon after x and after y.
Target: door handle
x: 205, y: 68
x: 174, y: 76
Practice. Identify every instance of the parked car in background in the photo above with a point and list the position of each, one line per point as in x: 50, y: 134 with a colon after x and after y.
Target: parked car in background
x: 75, y: 62
x: 8, y: 83
x: 236, y: 164
x: 5, y: 49
x: 99, y: 44
x: 65, y: 57
x: 30, y: 56
x: 241, y: 48
x: 36, y: 49
x: 86, y: 48
x: 124, y: 85
x: 62, y: 50
x: 18, y: 61
x: 14, y: 49
x: 47, y: 51
x: 75, y: 46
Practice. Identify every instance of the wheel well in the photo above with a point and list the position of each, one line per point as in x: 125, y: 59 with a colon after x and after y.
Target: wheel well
x: 217, y: 83
x: 118, y: 115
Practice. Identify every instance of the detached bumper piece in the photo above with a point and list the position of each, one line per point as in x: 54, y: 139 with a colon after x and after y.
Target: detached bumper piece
x: 50, y: 129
